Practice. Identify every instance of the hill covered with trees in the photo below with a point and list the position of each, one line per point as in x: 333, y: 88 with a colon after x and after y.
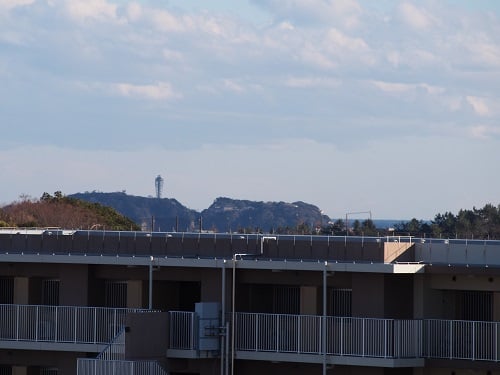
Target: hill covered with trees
x: 64, y: 212
x: 224, y: 215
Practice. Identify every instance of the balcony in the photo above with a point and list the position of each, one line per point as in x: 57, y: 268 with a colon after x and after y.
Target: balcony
x: 347, y: 341
x: 66, y: 328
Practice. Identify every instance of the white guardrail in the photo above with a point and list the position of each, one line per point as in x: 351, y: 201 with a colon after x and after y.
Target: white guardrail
x: 62, y: 324
x: 183, y: 330
x: 346, y: 336
x: 88, y: 366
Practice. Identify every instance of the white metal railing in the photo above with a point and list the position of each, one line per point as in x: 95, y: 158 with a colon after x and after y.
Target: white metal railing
x: 115, y: 349
x: 89, y: 366
x: 461, y: 339
x: 347, y: 336
x: 183, y: 330
x: 62, y: 324
x: 383, y: 338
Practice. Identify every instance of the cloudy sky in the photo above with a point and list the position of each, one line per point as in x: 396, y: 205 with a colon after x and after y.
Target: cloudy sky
x: 387, y: 106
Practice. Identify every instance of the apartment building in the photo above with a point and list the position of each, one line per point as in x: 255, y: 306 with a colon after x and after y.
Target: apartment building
x: 97, y: 302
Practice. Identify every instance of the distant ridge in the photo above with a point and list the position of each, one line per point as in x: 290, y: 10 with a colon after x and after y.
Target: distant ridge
x: 224, y: 215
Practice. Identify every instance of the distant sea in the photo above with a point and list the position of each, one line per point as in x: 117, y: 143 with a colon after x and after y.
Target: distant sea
x: 387, y: 223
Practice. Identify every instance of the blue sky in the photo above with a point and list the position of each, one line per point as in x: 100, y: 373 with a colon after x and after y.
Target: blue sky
x: 391, y: 107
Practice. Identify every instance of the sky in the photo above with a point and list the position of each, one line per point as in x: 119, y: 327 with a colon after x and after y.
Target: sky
x: 388, y: 107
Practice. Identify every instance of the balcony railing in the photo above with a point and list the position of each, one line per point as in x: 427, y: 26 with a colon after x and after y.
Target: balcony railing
x: 356, y: 337
x: 183, y: 330
x: 62, y: 324
x: 461, y: 339
x: 302, y: 334
x: 87, y: 366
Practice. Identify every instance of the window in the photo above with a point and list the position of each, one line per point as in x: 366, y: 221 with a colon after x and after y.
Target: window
x: 50, y: 292
x: 115, y: 294
x: 340, y: 302
x: 286, y: 299
x: 476, y: 305
x: 6, y: 290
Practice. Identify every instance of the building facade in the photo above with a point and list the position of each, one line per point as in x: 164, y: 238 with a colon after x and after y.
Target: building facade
x: 96, y: 302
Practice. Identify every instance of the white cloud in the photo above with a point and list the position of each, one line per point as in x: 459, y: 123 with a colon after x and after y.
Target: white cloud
x: 343, y: 13
x: 312, y: 82
x: 414, y: 58
x: 10, y: 4
x: 341, y: 40
x: 172, y: 55
x: 486, y: 52
x: 397, y: 87
x: 233, y: 86
x: 134, y: 11
x: 100, y: 10
x: 478, y: 105
x: 159, y: 91
x: 485, y: 132
x: 285, y: 25
x: 310, y: 54
x: 167, y: 22
x: 415, y: 17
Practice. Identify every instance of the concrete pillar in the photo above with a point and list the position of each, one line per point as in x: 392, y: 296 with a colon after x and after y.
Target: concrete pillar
x: 418, y: 297
x: 21, y: 290
x: 308, y: 300
x: 134, y: 294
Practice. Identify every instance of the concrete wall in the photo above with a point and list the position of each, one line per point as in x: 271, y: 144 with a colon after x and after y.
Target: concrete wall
x: 28, y: 361
x: 73, y: 288
x: 399, y: 252
x: 368, y: 295
x: 382, y: 296
x: 458, y: 252
x: 146, y: 336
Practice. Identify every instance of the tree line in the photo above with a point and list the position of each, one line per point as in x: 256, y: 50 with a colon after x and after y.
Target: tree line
x: 477, y: 223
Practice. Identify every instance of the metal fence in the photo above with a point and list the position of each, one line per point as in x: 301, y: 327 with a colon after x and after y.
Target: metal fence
x: 88, y: 366
x: 183, y: 330
x: 62, y: 324
x: 383, y: 338
x: 346, y: 336
x: 460, y: 339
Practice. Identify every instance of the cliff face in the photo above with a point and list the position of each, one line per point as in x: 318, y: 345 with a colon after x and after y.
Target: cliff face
x: 224, y: 215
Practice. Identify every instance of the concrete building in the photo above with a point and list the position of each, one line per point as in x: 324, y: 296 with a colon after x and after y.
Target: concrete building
x: 95, y: 302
